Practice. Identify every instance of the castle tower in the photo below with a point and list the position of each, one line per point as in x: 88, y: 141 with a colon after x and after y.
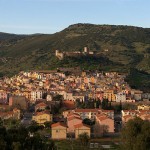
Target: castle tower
x: 86, y: 50
x: 56, y: 52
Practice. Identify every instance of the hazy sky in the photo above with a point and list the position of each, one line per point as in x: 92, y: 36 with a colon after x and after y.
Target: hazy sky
x: 49, y: 16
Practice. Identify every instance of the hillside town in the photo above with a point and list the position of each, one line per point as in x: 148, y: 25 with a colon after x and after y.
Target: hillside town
x: 56, y: 97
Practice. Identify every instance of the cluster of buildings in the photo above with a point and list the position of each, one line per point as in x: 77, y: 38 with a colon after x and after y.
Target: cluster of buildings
x: 104, y: 121
x: 143, y: 112
x: 73, y: 125
x: 40, y: 88
x: 79, y: 85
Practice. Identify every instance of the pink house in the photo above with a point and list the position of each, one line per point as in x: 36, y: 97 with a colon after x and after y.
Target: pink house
x: 82, y: 128
x: 73, y: 120
x: 105, y: 122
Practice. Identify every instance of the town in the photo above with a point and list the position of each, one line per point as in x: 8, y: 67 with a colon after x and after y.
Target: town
x: 72, y: 102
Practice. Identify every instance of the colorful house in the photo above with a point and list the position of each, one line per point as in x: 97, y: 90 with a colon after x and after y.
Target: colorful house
x: 82, y: 128
x: 105, y: 122
x: 59, y: 130
x: 42, y: 117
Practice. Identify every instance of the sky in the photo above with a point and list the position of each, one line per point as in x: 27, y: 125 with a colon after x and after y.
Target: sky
x: 50, y: 16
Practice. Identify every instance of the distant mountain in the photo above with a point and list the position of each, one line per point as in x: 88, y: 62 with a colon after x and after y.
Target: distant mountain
x: 120, y: 47
x: 7, y: 36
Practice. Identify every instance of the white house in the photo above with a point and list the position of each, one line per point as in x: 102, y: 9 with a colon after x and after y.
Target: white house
x: 120, y: 97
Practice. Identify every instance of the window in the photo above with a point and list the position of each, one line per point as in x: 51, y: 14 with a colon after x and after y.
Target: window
x: 57, y: 131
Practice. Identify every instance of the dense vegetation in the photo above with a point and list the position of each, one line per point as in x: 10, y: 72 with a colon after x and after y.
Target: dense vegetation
x: 136, y: 135
x: 19, y: 138
x: 120, y: 48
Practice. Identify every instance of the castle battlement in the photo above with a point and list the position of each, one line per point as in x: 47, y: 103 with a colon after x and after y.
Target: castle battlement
x: 61, y: 55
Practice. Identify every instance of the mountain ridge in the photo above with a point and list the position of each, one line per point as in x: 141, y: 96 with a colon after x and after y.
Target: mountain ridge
x: 126, y: 45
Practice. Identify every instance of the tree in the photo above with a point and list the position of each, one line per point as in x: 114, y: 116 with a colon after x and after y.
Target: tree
x: 2, y: 144
x: 47, y: 124
x: 58, y: 98
x: 84, y: 139
x: 136, y: 135
x: 105, y: 104
x: 16, y: 146
x: 88, y: 122
x: 1, y: 122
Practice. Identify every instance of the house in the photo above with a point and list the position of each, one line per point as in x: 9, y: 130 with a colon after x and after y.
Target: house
x: 73, y: 120
x: 108, y: 113
x: 49, y: 97
x: 109, y: 94
x: 105, y: 123
x: 41, y: 106
x: 146, y: 96
x: 6, y: 115
x: 82, y: 128
x: 3, y: 96
x: 18, y: 101
x: 89, y: 113
x: 120, y: 97
x: 143, y: 107
x: 136, y: 94
x: 59, y: 130
x: 42, y: 117
x: 144, y: 114
x: 15, y: 114
x: 83, y: 113
x: 37, y: 94
x: 129, y: 112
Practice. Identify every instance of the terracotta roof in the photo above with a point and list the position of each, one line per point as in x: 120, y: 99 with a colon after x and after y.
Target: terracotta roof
x: 81, y: 125
x: 129, y: 110
x: 59, y: 124
x: 73, y: 117
x: 144, y: 111
x: 72, y: 114
x: 41, y: 113
x: 102, y: 117
x: 107, y: 110
x: 128, y: 116
x: 41, y: 104
x: 86, y: 110
x: 69, y: 104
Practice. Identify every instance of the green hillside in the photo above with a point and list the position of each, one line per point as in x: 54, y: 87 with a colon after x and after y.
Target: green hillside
x: 120, y: 48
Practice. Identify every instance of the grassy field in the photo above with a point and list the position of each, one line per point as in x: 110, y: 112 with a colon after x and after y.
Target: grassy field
x: 76, y: 145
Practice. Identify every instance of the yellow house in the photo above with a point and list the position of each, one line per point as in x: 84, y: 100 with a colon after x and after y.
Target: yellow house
x: 82, y: 128
x: 59, y: 131
x: 42, y: 117
x: 109, y: 94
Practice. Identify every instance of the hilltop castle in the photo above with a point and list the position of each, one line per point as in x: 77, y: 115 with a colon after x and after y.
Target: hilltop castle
x: 61, y: 55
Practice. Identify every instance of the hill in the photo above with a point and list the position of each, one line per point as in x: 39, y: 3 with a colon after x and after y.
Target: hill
x: 120, y: 48
x: 7, y: 36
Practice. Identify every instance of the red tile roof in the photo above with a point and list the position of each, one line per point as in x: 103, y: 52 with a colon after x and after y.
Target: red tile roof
x: 59, y: 124
x: 73, y: 117
x: 107, y: 110
x: 102, y: 117
x: 41, y: 113
x: 41, y: 104
x: 86, y: 110
x: 81, y: 125
x: 72, y: 114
